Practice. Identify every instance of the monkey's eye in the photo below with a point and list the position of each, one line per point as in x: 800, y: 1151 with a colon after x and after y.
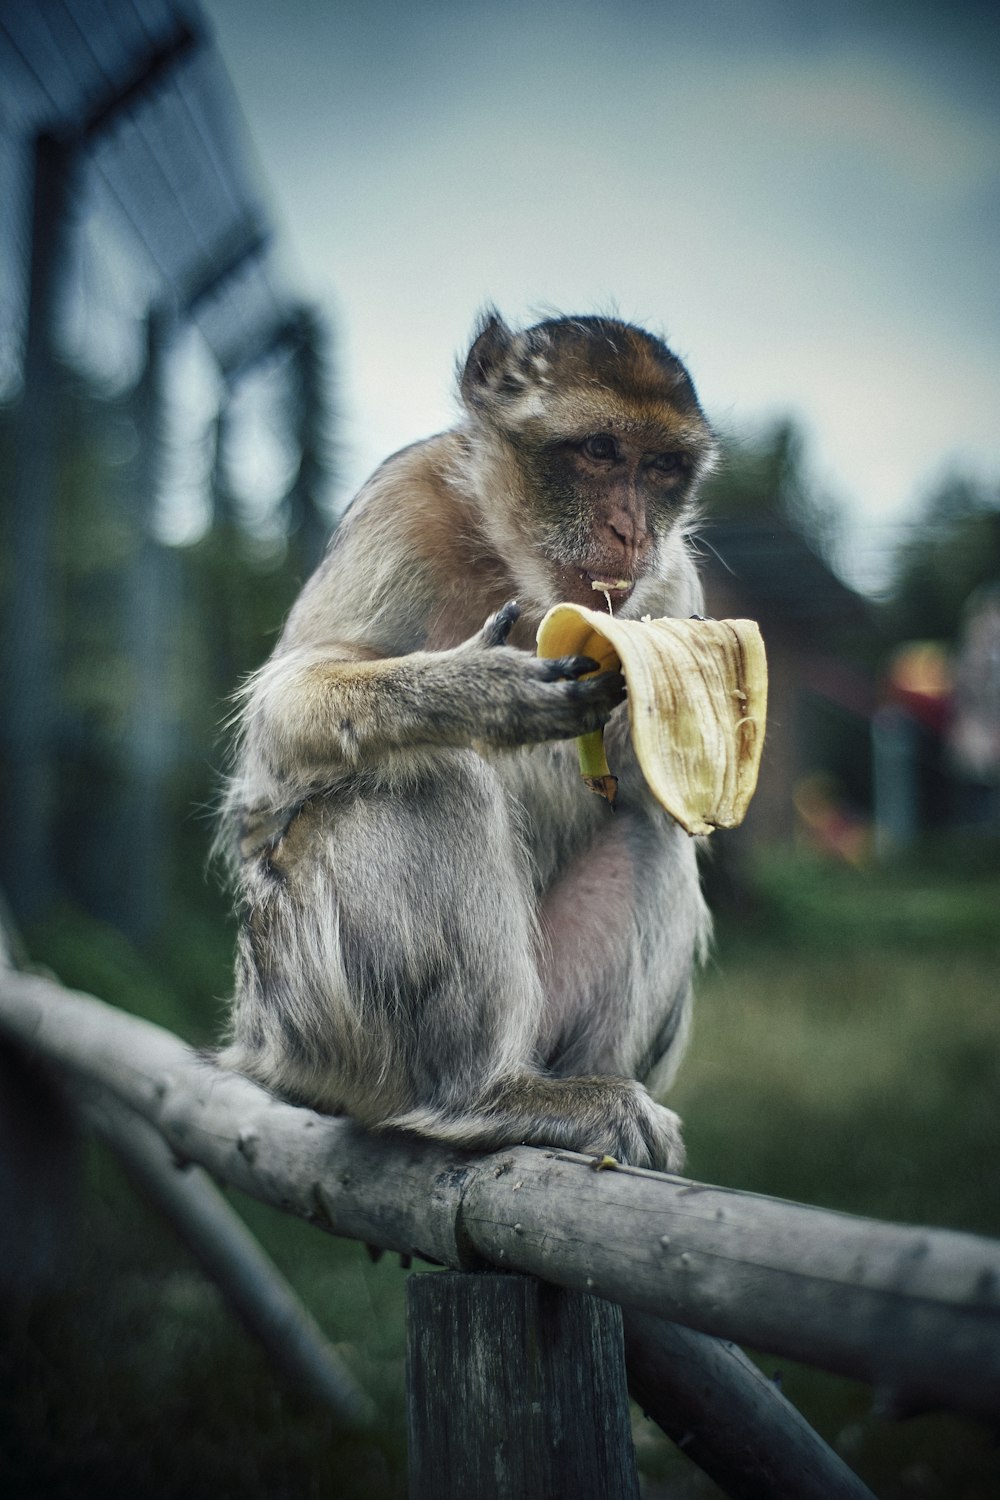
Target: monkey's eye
x: 669, y: 463
x: 601, y: 446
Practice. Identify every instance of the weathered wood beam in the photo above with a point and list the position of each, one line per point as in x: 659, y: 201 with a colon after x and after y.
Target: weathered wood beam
x: 916, y: 1312
x: 722, y: 1412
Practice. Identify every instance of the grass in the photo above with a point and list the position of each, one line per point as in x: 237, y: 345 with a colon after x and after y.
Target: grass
x: 846, y: 1053
x: 861, y: 1079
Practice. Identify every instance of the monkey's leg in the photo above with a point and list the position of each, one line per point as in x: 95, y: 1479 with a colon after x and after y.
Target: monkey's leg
x: 600, y: 1116
x: 388, y: 971
x: 622, y: 929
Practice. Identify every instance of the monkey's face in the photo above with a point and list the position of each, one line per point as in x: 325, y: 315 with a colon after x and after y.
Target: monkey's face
x: 594, y: 440
x: 605, y: 504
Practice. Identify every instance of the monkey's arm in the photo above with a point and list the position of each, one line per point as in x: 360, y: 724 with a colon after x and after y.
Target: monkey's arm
x: 312, y: 711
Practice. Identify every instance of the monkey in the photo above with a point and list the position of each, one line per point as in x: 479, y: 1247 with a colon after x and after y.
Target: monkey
x: 442, y: 932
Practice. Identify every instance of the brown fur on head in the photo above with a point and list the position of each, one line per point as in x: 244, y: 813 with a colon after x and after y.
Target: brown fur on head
x: 566, y: 360
x: 591, y: 430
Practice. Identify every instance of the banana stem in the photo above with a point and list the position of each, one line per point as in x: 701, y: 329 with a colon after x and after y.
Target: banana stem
x: 594, y: 766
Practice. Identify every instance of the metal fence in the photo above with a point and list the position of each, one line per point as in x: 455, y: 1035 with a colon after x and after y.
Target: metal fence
x: 135, y: 252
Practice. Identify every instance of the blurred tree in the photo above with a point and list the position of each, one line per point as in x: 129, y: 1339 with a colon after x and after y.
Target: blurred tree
x: 238, y: 589
x: 309, y: 513
x: 149, y: 641
x: 28, y: 787
x: 767, y: 477
x: 96, y: 538
x: 952, y: 549
x: 149, y: 605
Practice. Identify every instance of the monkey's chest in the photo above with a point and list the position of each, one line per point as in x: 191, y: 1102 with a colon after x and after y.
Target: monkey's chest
x: 555, y: 814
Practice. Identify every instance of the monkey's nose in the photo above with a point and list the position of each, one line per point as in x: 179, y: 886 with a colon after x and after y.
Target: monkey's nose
x: 628, y: 534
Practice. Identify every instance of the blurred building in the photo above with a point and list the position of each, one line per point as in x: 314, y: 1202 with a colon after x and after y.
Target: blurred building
x: 819, y: 636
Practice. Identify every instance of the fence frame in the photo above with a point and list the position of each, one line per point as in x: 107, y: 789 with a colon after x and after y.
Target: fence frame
x: 914, y: 1311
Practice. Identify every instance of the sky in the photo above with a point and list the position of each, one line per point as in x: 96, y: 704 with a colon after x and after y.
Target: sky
x: 804, y: 200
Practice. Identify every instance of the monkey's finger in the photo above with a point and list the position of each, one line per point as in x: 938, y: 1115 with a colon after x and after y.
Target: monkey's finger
x: 499, y: 626
x: 589, y: 703
x: 567, y: 666
x: 603, y: 693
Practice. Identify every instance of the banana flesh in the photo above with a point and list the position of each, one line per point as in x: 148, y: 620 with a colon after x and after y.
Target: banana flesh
x: 697, y: 703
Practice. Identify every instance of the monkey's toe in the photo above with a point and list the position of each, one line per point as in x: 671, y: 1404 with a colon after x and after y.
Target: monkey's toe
x: 662, y: 1131
x: 647, y: 1134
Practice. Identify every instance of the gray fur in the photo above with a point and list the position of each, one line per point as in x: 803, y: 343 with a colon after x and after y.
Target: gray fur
x: 442, y: 930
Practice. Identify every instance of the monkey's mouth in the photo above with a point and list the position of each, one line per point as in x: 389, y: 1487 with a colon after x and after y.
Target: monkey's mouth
x: 617, y: 589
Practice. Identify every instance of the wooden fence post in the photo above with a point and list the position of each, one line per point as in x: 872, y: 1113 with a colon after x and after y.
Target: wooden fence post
x: 515, y: 1390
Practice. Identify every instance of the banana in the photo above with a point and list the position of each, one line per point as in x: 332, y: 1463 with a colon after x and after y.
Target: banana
x: 697, y: 703
x: 594, y: 766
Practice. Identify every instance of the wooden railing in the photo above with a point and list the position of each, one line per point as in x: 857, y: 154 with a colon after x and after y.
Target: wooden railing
x: 662, y: 1268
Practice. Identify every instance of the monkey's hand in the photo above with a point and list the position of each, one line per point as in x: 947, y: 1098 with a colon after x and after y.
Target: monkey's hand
x: 313, y: 712
x: 520, y: 699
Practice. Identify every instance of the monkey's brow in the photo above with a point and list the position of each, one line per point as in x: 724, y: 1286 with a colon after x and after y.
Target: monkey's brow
x: 659, y: 437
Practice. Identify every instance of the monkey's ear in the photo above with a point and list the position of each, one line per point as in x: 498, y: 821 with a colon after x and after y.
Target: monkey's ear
x: 487, y: 359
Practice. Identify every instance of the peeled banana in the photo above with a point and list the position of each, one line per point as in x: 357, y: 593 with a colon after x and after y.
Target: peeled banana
x: 697, y: 702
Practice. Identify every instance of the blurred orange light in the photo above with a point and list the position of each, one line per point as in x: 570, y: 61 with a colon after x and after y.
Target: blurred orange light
x: 921, y: 667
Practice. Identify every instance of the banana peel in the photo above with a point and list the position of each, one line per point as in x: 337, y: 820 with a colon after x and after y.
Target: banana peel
x: 697, y: 704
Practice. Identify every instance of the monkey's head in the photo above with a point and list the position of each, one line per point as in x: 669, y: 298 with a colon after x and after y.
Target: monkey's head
x: 586, y: 442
